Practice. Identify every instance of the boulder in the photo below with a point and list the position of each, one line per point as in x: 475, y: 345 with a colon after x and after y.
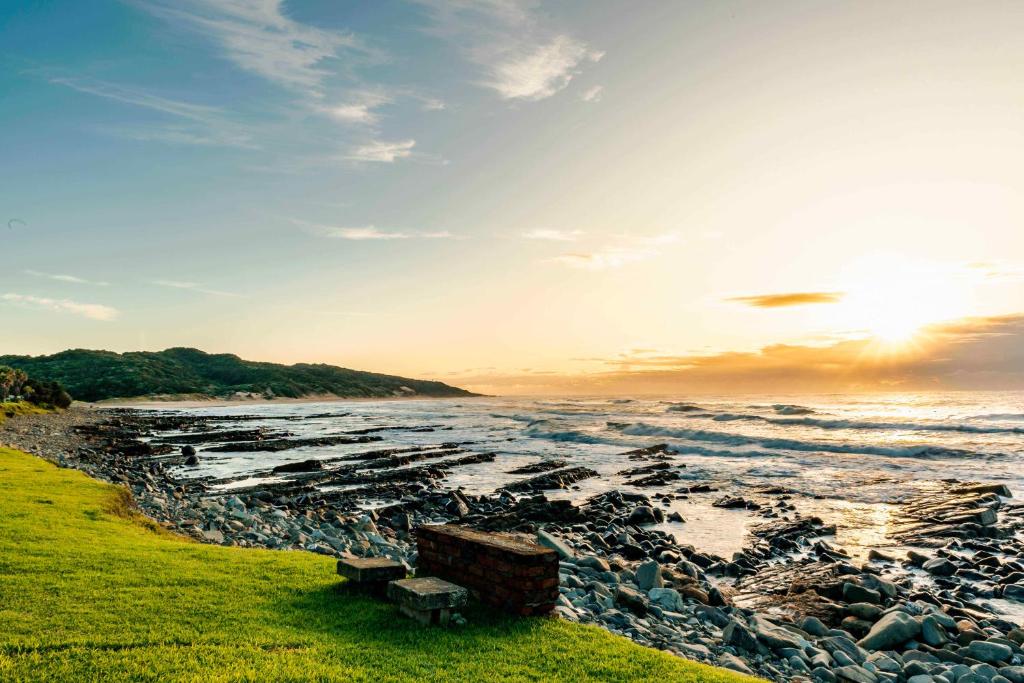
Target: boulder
x: 939, y: 566
x: 648, y: 576
x: 642, y: 514
x: 989, y: 652
x: 556, y: 544
x: 891, y: 630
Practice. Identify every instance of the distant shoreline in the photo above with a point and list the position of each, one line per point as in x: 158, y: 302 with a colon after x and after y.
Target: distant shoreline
x: 212, y: 402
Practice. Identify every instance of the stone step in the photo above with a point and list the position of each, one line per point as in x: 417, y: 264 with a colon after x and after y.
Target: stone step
x: 371, y: 570
x: 428, y: 600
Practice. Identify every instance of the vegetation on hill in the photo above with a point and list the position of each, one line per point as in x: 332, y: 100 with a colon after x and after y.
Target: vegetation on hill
x: 97, y: 375
x: 17, y: 387
x: 90, y: 590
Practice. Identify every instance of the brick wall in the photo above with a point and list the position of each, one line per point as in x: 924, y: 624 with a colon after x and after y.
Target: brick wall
x: 505, y: 571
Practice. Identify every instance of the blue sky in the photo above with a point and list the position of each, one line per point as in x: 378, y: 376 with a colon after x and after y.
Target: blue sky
x: 500, y: 191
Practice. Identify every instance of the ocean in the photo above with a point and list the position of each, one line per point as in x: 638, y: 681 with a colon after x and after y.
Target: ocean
x: 846, y: 458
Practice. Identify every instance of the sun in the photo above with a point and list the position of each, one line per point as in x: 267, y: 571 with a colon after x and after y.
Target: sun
x: 895, y: 330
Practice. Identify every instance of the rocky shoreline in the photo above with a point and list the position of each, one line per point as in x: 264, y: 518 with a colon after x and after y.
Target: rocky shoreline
x: 790, y: 607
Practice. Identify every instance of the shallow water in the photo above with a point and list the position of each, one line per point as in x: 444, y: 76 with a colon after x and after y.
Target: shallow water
x: 848, y: 457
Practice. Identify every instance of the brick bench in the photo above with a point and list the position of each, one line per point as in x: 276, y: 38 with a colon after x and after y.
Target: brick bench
x: 505, y: 571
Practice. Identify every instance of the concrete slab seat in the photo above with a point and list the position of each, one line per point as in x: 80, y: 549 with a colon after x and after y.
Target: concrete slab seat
x: 510, y: 572
x: 428, y: 600
x: 371, y: 573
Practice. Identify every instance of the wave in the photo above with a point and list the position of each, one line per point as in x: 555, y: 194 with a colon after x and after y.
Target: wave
x: 684, y: 408
x: 863, y: 425
x: 786, y: 409
x: 546, y: 429
x: 1008, y: 417
x: 727, y: 439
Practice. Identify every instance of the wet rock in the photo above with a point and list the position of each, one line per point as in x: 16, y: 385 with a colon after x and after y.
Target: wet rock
x: 939, y: 566
x: 853, y: 592
x: 556, y: 544
x: 643, y: 514
x: 737, y: 635
x: 302, y: 466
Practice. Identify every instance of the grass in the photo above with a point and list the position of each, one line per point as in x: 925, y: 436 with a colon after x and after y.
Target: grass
x: 91, y: 592
x: 13, y: 408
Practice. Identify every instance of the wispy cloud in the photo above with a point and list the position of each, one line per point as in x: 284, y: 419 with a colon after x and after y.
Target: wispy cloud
x: 539, y: 71
x: 592, y: 94
x: 382, y: 151
x: 788, y: 299
x: 553, y: 235
x: 371, y: 233
x: 206, y: 125
x: 521, y: 58
x: 258, y: 36
x: 194, y: 287
x: 91, y: 311
x: 625, y: 250
x: 66, y: 278
x: 360, y: 107
x: 603, y: 259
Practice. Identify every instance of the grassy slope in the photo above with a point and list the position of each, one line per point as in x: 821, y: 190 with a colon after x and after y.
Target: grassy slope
x: 89, y: 591
x: 12, y: 408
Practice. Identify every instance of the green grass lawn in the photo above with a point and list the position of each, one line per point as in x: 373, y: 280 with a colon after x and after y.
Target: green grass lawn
x: 91, y: 591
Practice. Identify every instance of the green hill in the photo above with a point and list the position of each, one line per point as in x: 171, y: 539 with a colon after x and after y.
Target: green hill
x: 97, y: 375
x: 92, y: 591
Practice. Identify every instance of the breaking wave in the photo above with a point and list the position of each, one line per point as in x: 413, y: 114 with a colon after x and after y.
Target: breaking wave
x: 734, y: 440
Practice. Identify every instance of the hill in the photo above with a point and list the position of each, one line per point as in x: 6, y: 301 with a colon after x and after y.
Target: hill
x: 96, y: 375
x: 93, y: 591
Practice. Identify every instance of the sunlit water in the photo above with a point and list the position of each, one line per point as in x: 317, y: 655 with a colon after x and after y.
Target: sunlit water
x: 848, y: 457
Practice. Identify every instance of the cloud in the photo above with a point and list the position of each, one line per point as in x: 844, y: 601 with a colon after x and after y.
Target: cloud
x: 788, y: 299
x: 540, y: 71
x: 603, y: 259
x: 66, y: 278
x: 260, y: 38
x: 382, y: 151
x: 553, y: 235
x: 969, y: 354
x: 193, y: 286
x: 521, y: 59
x: 371, y: 233
x: 206, y: 125
x: 91, y: 311
x: 593, y: 94
x: 360, y: 108
x: 627, y: 249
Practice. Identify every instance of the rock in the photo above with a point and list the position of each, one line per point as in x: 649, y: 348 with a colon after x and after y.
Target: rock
x: 669, y: 598
x: 820, y: 673
x: 675, y: 517
x: 879, y: 556
x: 214, y: 535
x: 556, y: 544
x: 593, y: 562
x: 302, y: 466
x: 188, y: 450
x: 864, y: 610
x: 731, y: 661
x: 1014, y: 591
x: 774, y: 636
x: 853, y: 592
x: 939, y: 566
x: 1015, y: 674
x: 855, y: 674
x: 192, y: 460
x: 989, y: 652
x: 642, y: 514
x: 648, y: 576
x: 891, y: 630
x: 737, y: 635
x: 813, y: 626
x: 932, y: 632
x: 631, y: 599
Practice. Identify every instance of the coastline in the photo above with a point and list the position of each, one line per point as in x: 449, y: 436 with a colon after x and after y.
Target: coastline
x: 174, y: 402
x: 800, y: 593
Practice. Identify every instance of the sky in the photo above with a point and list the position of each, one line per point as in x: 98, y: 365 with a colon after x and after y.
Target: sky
x: 523, y: 197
